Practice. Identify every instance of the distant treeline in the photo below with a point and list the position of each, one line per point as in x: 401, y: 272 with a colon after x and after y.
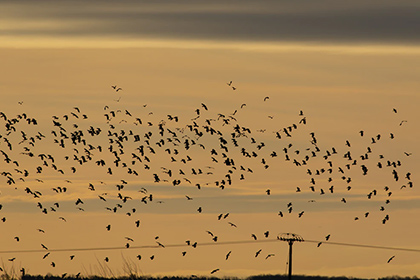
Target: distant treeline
x: 257, y: 277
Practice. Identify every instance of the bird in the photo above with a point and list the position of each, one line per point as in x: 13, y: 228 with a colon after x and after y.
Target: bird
x: 269, y: 256
x: 214, y: 271
x: 258, y: 253
x: 390, y: 259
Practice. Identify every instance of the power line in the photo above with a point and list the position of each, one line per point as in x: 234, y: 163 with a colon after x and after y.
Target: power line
x: 366, y: 246
x: 204, y: 244
x: 136, y: 247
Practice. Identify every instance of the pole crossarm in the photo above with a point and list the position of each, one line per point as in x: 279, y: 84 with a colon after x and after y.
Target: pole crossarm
x: 290, y: 237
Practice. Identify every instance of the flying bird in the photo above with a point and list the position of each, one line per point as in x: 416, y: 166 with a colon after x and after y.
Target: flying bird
x: 258, y: 253
x: 214, y: 271
x: 269, y: 255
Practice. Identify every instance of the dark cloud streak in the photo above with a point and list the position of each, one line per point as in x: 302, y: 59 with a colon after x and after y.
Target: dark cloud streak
x: 328, y: 21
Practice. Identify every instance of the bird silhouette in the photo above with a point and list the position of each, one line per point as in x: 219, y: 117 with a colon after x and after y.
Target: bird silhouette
x: 258, y: 253
x: 214, y: 271
x: 269, y: 256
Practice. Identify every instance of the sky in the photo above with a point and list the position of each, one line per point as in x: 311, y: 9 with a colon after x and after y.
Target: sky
x: 231, y: 98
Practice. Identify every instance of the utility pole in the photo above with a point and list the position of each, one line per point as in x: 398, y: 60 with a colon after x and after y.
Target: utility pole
x: 290, y: 238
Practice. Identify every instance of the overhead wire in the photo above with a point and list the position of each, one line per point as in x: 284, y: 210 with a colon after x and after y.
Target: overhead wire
x: 365, y: 246
x: 219, y: 243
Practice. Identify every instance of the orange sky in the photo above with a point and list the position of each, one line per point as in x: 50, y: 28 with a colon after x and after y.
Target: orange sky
x: 342, y: 87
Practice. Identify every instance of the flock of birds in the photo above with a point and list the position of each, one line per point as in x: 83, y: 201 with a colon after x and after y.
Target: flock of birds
x: 205, y: 150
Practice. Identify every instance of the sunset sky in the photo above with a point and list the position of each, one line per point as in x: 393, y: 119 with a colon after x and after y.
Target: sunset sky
x: 321, y: 71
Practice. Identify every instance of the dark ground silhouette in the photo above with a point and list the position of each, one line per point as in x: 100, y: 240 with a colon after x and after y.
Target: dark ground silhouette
x: 257, y: 277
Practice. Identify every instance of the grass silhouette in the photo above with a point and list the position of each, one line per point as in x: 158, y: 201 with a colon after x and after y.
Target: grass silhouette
x: 256, y: 277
